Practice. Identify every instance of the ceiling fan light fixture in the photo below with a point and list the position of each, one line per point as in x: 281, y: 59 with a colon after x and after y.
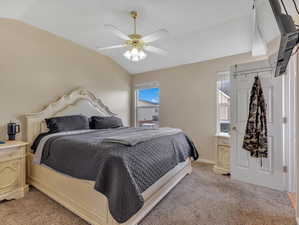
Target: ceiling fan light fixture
x: 135, y: 54
x: 136, y: 44
x: 142, y: 54
x: 127, y: 54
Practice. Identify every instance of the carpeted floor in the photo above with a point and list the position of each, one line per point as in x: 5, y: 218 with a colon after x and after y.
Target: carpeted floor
x: 202, y: 198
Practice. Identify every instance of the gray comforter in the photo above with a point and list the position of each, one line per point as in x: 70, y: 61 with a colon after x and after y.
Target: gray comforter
x: 130, y: 137
x: 121, y: 172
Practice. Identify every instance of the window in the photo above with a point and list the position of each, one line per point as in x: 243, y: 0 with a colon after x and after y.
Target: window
x: 223, y: 103
x: 147, y: 106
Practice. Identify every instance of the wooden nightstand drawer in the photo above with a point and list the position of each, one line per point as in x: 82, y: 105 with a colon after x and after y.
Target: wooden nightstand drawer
x: 223, y: 141
x: 9, y: 175
x: 12, y: 154
x: 12, y: 170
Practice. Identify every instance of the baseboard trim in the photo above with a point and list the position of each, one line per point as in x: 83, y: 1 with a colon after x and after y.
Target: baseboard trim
x: 205, y: 161
x: 219, y: 170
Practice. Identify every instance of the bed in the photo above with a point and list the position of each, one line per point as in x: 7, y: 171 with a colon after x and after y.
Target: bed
x: 89, y: 204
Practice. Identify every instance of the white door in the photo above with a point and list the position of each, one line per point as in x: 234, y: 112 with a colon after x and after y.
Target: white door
x: 269, y: 171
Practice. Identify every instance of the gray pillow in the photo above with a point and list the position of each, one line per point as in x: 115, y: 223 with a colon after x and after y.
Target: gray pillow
x: 105, y: 122
x: 67, y: 123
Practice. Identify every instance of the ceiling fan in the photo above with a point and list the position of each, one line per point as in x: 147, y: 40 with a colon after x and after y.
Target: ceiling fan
x: 136, y: 44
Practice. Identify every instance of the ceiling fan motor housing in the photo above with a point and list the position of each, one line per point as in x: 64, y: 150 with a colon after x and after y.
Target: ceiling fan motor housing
x: 135, y: 41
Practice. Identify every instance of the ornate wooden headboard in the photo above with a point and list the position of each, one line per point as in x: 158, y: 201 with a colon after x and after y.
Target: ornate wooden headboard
x: 79, y: 101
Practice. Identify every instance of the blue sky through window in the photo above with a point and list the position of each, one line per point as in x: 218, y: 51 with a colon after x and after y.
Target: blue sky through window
x: 150, y: 95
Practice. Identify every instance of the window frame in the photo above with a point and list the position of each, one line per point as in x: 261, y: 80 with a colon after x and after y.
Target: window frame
x: 218, y: 131
x: 137, y: 87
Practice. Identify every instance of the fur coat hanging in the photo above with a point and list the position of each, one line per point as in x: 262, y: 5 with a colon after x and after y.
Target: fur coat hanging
x: 255, y: 139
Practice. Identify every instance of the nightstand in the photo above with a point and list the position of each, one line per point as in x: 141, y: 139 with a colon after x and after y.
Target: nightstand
x: 13, y: 170
x: 222, y: 145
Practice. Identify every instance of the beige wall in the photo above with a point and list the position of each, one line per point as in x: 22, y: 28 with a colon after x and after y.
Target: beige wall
x: 37, y: 67
x: 188, y: 98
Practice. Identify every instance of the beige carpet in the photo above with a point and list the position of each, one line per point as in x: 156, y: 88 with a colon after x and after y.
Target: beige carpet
x: 202, y: 198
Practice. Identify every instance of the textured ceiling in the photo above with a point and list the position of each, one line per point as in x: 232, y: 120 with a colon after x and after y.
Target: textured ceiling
x: 198, y: 29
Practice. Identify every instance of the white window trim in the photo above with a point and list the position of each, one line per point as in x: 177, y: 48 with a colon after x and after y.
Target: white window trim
x: 218, y: 133
x: 153, y: 84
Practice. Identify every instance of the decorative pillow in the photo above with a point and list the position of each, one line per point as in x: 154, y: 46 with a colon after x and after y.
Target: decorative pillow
x: 107, y: 122
x: 67, y: 123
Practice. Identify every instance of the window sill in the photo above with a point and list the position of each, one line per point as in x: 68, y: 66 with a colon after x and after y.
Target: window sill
x: 222, y: 135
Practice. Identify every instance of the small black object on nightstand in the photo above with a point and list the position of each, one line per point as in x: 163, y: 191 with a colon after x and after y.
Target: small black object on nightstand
x: 12, y: 130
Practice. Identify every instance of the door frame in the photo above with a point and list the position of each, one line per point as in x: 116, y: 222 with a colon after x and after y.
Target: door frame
x: 289, y: 113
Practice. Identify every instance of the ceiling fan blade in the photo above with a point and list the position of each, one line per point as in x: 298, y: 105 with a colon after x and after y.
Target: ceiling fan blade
x: 117, y: 32
x: 111, y: 47
x: 154, y: 36
x: 155, y: 50
x: 259, y: 45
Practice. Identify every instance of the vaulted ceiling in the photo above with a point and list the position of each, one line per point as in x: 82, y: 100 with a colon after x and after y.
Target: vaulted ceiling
x: 198, y: 29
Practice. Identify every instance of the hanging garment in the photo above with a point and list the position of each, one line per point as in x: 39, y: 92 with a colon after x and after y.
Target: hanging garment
x: 255, y: 139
